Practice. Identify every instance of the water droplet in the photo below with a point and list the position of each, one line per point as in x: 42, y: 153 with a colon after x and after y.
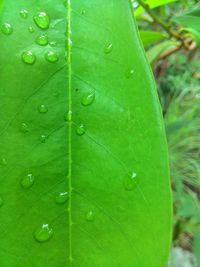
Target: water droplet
x: 42, y: 40
x: 43, y: 138
x: 28, y: 57
x: 80, y: 130
x: 62, y: 197
x: 53, y: 44
x: 1, y: 201
x: 83, y: 12
x: 131, y: 182
x: 3, y: 162
x: 24, y: 13
x: 88, y: 99
x: 42, y: 20
x: 89, y: 216
x: 68, y: 116
x: 108, y: 48
x: 43, y: 109
x: 24, y: 128
x: 51, y: 56
x: 129, y: 73
x: 6, y: 28
x: 30, y: 29
x: 27, y: 181
x: 43, y: 233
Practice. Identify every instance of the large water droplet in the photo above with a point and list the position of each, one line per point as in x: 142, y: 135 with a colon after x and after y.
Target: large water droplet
x: 6, y: 28
x: 80, y: 130
x: 68, y: 116
x: 108, y: 48
x: 27, y: 181
x: 43, y: 233
x: 42, y: 20
x: 3, y: 162
x: 129, y: 73
x: 43, y: 109
x: 24, y: 13
x: 43, y: 138
x: 42, y: 40
x: 88, y: 99
x: 1, y: 201
x: 30, y: 29
x: 28, y: 57
x: 62, y: 197
x: 51, y: 56
x: 131, y: 182
x: 24, y: 127
x: 89, y: 216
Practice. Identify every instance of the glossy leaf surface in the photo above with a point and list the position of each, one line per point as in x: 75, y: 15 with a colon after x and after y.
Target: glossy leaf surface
x: 84, y: 168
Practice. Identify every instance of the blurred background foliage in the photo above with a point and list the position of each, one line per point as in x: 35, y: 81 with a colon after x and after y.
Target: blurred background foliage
x: 170, y: 32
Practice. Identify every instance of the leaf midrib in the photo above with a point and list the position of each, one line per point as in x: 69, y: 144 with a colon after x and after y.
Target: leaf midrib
x: 69, y: 45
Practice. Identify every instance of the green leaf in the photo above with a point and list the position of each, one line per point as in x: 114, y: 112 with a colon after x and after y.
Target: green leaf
x: 189, y: 19
x: 150, y: 37
x: 84, y: 167
x: 153, y: 4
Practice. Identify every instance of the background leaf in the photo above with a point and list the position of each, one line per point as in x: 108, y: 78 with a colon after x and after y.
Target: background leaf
x: 150, y: 37
x: 84, y: 167
x: 189, y: 19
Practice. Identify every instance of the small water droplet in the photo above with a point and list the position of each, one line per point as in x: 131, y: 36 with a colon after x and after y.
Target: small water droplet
x: 43, y: 138
x: 80, y: 130
x: 108, y: 48
x: 43, y: 109
x: 82, y: 12
x: 28, y: 57
x: 131, y: 182
x: 51, y: 56
x: 88, y: 99
x: 53, y: 44
x: 31, y: 29
x: 43, y: 233
x: 1, y: 201
x: 27, y: 181
x: 24, y: 13
x: 68, y: 116
x: 42, y: 40
x: 62, y: 197
x: 42, y: 20
x: 6, y: 28
x: 129, y: 73
x: 89, y: 216
x: 3, y: 162
x: 24, y: 127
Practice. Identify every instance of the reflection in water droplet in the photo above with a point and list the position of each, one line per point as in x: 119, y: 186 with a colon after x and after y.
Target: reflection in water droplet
x: 108, y: 48
x: 129, y: 73
x: 27, y: 181
x: 28, y: 57
x: 131, y: 182
x: 42, y: 40
x: 89, y: 216
x: 51, y: 56
x: 3, y: 162
x: 24, y: 127
x: 68, y: 116
x: 43, y: 109
x: 43, y: 233
x: 80, y: 130
x: 62, y: 197
x: 24, y: 13
x: 1, y: 201
x: 43, y: 138
x: 30, y: 29
x: 88, y: 99
x: 6, y: 28
x: 42, y: 20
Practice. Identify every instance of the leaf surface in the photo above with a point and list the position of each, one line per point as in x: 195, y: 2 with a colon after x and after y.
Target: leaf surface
x: 84, y: 167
